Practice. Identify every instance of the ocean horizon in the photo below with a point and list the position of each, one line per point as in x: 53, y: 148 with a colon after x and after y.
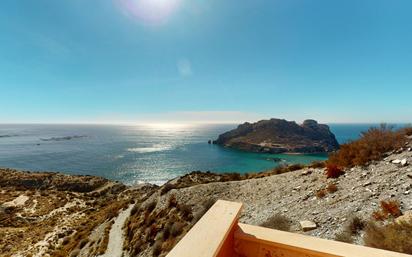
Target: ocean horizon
x: 139, y: 153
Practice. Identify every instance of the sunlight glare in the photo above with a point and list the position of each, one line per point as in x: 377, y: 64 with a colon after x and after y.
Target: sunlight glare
x: 151, y: 11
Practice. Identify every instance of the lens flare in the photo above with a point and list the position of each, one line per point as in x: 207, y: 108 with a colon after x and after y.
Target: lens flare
x: 151, y: 11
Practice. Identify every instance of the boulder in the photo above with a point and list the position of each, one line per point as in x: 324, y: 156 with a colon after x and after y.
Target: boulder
x: 307, y: 225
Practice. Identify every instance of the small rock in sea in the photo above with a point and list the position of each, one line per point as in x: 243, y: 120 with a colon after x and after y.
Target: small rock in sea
x: 409, y: 149
x: 404, y: 162
x: 406, y: 192
x: 307, y: 225
x: 397, y: 161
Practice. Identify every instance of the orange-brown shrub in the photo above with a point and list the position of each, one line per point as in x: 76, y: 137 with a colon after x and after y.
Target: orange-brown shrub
x: 379, y: 215
x: 388, y: 209
x: 321, y: 193
x: 391, y: 207
x: 332, y: 188
x: 333, y: 171
x: 372, y: 146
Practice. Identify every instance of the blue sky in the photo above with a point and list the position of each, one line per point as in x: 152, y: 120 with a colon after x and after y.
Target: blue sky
x: 205, y: 60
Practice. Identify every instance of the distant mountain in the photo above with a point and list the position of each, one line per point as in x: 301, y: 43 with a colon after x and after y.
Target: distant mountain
x: 280, y: 136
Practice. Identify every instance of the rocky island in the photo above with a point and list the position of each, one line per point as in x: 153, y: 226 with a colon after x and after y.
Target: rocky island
x: 280, y: 136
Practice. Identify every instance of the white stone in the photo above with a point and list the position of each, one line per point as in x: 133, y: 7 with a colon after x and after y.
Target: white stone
x: 397, y: 161
x: 404, y: 162
x: 307, y: 225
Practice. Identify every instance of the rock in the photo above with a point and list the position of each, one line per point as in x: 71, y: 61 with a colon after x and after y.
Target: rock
x: 406, y: 217
x: 409, y: 175
x: 367, y: 183
x: 404, y: 162
x: 280, y: 136
x: 307, y: 225
x: 397, y: 161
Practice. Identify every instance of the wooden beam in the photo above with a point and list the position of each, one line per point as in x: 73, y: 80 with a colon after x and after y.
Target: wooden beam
x: 210, y: 236
x: 253, y: 241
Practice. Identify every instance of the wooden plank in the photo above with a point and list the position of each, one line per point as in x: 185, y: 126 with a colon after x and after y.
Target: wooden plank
x: 207, y: 238
x: 253, y: 241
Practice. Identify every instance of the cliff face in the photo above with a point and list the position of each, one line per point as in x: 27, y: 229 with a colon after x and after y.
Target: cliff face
x: 280, y: 136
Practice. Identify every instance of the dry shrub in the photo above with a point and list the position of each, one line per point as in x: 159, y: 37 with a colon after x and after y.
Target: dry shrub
x: 391, y: 207
x: 333, y: 171
x: 372, y: 146
x: 166, y: 188
x: 317, y: 165
x: 157, y: 248
x: 75, y: 253
x: 332, y: 188
x: 176, y: 229
x: 278, y: 222
x: 151, y: 206
x: 379, y: 215
x: 321, y: 193
x: 172, y: 202
x: 344, y: 236
x: 207, y: 204
x: 295, y: 167
x: 83, y: 243
x: 407, y: 130
x: 355, y: 225
x: 186, y: 211
x: 393, y: 236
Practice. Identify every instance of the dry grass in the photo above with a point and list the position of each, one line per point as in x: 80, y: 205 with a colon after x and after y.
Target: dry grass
x: 393, y: 236
x: 278, y: 222
x: 372, y: 146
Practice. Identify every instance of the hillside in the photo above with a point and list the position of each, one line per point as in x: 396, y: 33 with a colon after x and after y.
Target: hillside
x: 280, y: 136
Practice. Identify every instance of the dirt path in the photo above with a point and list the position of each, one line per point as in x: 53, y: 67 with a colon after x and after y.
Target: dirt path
x: 116, y: 237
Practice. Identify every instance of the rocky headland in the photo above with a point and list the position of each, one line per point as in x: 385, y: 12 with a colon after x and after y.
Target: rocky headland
x: 280, y: 136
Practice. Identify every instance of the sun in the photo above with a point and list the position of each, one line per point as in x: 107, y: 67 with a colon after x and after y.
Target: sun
x: 151, y: 11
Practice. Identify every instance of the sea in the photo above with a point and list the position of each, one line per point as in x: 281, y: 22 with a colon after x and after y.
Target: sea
x: 135, y: 154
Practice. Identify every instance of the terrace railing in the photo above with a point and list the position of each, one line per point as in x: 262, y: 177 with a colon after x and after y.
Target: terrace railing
x: 218, y: 234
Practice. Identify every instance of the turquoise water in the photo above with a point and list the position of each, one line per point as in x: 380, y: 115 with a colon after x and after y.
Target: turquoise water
x: 133, y: 154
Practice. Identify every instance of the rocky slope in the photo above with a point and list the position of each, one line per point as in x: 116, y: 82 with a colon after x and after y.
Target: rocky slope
x: 51, y: 214
x: 280, y: 136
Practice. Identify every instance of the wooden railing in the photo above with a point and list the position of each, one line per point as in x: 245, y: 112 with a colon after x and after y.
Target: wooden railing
x: 218, y: 234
